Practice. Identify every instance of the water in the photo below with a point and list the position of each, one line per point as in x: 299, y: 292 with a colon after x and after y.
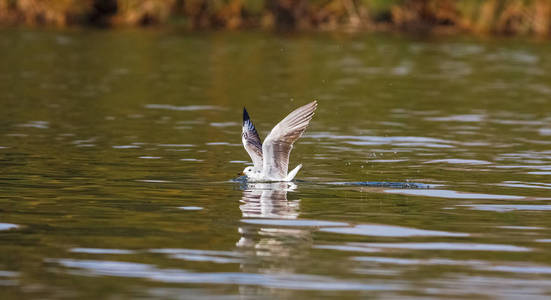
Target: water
x: 426, y: 168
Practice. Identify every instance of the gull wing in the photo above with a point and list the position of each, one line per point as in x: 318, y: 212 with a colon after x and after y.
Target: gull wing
x: 251, y: 141
x: 279, y: 143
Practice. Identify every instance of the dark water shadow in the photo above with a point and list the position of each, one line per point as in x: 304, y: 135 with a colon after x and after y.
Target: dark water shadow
x: 244, y: 184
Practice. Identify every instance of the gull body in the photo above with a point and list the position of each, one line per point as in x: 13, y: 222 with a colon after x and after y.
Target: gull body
x: 271, y: 158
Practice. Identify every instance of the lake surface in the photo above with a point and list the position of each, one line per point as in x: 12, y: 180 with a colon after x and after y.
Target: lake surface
x: 117, y: 150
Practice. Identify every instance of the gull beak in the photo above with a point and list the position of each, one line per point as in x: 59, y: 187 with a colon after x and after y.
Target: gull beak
x: 240, y: 173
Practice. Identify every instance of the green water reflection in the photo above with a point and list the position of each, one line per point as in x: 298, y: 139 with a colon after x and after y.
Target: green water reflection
x: 117, y: 148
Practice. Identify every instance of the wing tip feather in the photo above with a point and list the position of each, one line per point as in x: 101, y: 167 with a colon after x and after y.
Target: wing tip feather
x: 245, y: 115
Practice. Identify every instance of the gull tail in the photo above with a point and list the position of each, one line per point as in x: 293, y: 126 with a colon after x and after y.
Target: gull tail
x: 293, y: 173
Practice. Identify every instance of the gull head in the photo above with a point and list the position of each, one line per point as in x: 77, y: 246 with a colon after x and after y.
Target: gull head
x: 251, y: 173
x: 248, y: 171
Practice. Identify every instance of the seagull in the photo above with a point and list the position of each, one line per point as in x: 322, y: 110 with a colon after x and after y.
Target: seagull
x: 271, y: 158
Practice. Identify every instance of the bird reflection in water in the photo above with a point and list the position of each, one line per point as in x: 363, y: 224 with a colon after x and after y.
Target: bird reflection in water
x: 267, y: 206
x: 269, y: 200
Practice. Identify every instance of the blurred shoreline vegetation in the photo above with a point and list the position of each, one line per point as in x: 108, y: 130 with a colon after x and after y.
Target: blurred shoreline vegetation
x: 507, y: 17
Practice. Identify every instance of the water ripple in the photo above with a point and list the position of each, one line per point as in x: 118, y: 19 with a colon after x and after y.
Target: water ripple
x: 126, y: 146
x: 458, y: 118
x: 506, y: 208
x: 190, y: 208
x: 453, y: 194
x: 101, y: 251
x: 282, y: 280
x: 531, y: 185
x: 474, y: 264
x: 36, y: 124
x: 7, y: 226
x: 8, y: 273
x: 181, y: 108
x: 445, y: 246
x: 390, y: 231
x: 459, y: 161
